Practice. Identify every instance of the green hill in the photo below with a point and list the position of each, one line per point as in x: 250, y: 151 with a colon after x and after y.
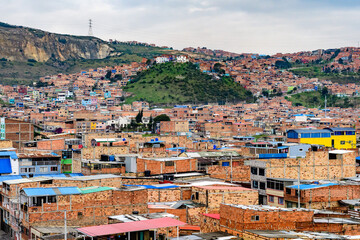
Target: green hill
x: 316, y: 99
x: 170, y: 83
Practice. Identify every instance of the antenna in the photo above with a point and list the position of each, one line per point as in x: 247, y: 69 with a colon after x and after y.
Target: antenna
x: 90, y: 28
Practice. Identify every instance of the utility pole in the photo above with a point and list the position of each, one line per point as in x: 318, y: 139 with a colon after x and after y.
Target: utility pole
x: 231, y: 169
x: 299, y: 185
x: 325, y: 106
x: 65, y: 226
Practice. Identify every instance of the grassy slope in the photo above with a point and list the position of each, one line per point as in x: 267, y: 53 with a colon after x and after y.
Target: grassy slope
x: 316, y: 72
x: 314, y: 99
x: 183, y: 83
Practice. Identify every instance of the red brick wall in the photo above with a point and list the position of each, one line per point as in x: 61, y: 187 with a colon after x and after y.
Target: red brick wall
x: 53, y: 144
x: 158, y: 167
x: 237, y: 219
x: 240, y: 173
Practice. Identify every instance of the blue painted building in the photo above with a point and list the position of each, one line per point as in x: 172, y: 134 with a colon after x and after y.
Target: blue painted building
x: 39, y: 164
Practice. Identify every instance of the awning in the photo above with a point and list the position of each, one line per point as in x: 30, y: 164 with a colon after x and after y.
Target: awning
x: 5, y: 165
x: 111, y: 229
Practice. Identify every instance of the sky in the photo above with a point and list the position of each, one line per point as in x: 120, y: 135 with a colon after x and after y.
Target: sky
x: 241, y: 26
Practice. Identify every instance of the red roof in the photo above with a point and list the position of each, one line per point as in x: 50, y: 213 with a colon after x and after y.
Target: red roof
x: 212, y: 215
x: 117, y: 228
x: 190, y: 227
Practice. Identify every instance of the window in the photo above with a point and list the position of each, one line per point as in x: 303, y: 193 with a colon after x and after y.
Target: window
x: 281, y: 200
x: 276, y: 185
x: 23, y: 170
x: 169, y: 163
x: 254, y: 170
x: 204, y: 220
x: 342, y: 142
x: 255, y: 218
x: 43, y: 169
x: 315, y: 135
x: 262, y: 186
x: 305, y: 135
x: 255, y: 184
x: 271, y: 199
x: 54, y: 169
x: 300, y: 149
x: 288, y: 191
x: 196, y: 195
x: 32, y: 170
x: 261, y: 172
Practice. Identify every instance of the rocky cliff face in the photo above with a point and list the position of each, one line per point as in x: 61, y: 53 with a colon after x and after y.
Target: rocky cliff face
x: 22, y: 44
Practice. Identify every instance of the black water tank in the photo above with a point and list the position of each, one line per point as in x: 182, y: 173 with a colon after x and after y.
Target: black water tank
x: 135, y: 212
x: 147, y: 173
x: 104, y: 157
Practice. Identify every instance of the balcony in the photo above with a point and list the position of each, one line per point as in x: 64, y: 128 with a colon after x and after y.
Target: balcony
x: 39, y: 163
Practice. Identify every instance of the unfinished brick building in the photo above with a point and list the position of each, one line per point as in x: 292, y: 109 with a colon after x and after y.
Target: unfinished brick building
x: 212, y: 196
x: 334, y: 165
x: 83, y: 206
x: 321, y: 196
x: 18, y: 132
x: 166, y: 165
x: 235, y: 219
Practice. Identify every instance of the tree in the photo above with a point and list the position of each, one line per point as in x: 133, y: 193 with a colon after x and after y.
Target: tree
x: 108, y: 74
x: 282, y: 64
x: 139, y: 116
x: 217, y: 67
x: 133, y: 124
x: 265, y: 93
x: 324, y: 91
x: 150, y: 124
x: 161, y: 118
x: 94, y: 87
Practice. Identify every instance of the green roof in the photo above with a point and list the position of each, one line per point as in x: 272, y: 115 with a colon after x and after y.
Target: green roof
x: 66, y: 161
x: 94, y: 189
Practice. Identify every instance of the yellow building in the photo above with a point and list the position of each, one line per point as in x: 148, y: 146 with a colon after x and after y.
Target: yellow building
x: 338, y: 138
x: 93, y: 125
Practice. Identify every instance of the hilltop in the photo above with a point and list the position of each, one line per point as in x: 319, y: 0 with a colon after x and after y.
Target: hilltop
x: 22, y: 44
x: 26, y: 54
x: 171, y: 83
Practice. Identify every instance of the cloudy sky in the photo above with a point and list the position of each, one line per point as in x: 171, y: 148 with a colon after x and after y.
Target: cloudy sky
x: 260, y: 26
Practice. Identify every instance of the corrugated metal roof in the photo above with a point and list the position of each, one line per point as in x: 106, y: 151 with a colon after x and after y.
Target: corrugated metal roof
x: 311, y: 130
x: 94, y: 189
x: 69, y: 190
x: 311, y: 186
x: 39, y: 192
x: 12, y: 154
x: 341, y: 129
x: 51, y: 191
x: 212, y: 215
x: 112, y: 229
x: 158, y: 186
x: 9, y: 177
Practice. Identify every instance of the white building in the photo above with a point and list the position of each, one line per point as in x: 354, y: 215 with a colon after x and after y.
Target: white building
x: 162, y: 59
x: 182, y: 59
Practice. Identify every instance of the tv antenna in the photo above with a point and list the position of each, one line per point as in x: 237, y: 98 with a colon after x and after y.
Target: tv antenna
x: 90, y: 28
